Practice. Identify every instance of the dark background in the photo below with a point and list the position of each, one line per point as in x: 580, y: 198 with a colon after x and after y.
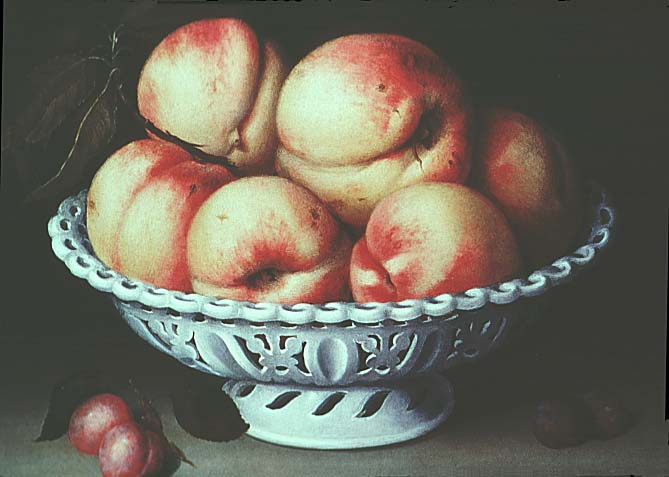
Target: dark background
x: 597, y: 72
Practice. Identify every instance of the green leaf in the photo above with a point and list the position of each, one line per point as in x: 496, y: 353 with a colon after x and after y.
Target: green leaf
x: 72, y: 391
x: 66, y: 396
x: 205, y: 411
x: 94, y: 133
x: 60, y: 86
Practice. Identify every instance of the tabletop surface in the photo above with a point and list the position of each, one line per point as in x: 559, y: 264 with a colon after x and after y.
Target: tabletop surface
x: 489, y: 433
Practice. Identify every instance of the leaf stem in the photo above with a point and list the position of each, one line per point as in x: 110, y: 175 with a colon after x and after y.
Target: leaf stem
x: 100, y: 59
x: 197, y: 154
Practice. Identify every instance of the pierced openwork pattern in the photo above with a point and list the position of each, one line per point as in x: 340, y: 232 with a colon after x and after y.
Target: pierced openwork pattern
x: 70, y: 243
x: 319, y: 354
x: 336, y: 418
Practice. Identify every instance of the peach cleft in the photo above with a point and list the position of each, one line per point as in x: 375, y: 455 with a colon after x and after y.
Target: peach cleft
x: 266, y: 239
x: 429, y: 239
x: 140, y: 206
x: 214, y: 84
x: 364, y: 115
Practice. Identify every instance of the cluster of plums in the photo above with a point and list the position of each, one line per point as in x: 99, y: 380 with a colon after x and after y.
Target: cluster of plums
x: 572, y: 420
x: 364, y: 173
x: 104, y: 426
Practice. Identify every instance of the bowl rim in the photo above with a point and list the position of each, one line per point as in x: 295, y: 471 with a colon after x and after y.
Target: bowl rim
x: 70, y: 243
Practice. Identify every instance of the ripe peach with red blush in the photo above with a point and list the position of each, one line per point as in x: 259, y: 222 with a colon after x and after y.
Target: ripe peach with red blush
x: 266, y: 239
x: 525, y: 170
x: 140, y: 206
x: 94, y: 418
x: 214, y: 84
x: 432, y: 238
x: 364, y: 115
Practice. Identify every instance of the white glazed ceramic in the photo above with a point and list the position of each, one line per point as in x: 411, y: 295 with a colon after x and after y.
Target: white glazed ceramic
x: 335, y: 375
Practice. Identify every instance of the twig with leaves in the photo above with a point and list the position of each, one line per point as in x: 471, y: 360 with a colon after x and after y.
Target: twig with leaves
x: 66, y: 131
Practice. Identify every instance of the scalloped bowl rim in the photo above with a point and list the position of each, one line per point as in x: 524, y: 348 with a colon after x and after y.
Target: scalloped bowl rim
x: 70, y: 243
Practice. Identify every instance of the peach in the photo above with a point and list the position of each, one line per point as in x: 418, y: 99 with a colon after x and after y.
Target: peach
x: 140, y: 206
x: 212, y: 83
x: 525, y: 170
x: 364, y: 115
x: 266, y: 239
x: 432, y: 238
x: 93, y: 418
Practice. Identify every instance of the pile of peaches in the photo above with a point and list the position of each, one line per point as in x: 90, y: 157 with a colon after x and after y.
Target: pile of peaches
x: 363, y: 173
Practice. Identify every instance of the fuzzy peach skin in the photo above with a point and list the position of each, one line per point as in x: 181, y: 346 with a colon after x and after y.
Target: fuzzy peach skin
x: 364, y: 115
x: 266, y: 239
x: 523, y: 167
x: 432, y: 238
x: 139, y: 208
x: 213, y: 84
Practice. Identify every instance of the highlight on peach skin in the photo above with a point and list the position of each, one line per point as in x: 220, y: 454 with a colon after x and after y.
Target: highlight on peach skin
x: 376, y: 143
x: 140, y: 206
x: 214, y: 84
x: 526, y: 171
x: 364, y: 115
x: 429, y: 239
x: 268, y: 239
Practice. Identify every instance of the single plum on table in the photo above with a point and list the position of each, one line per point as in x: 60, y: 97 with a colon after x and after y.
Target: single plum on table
x: 128, y: 450
x: 94, y: 418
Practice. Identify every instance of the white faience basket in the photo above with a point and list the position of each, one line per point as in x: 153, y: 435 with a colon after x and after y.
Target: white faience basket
x: 335, y: 375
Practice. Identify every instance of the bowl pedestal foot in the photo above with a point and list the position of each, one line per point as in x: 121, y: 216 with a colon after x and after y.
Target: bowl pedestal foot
x: 349, y: 417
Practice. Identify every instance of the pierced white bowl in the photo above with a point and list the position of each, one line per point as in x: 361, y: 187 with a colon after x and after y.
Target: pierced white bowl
x: 335, y: 375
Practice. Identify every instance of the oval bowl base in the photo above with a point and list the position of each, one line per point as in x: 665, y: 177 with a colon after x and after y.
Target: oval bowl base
x: 350, y: 417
